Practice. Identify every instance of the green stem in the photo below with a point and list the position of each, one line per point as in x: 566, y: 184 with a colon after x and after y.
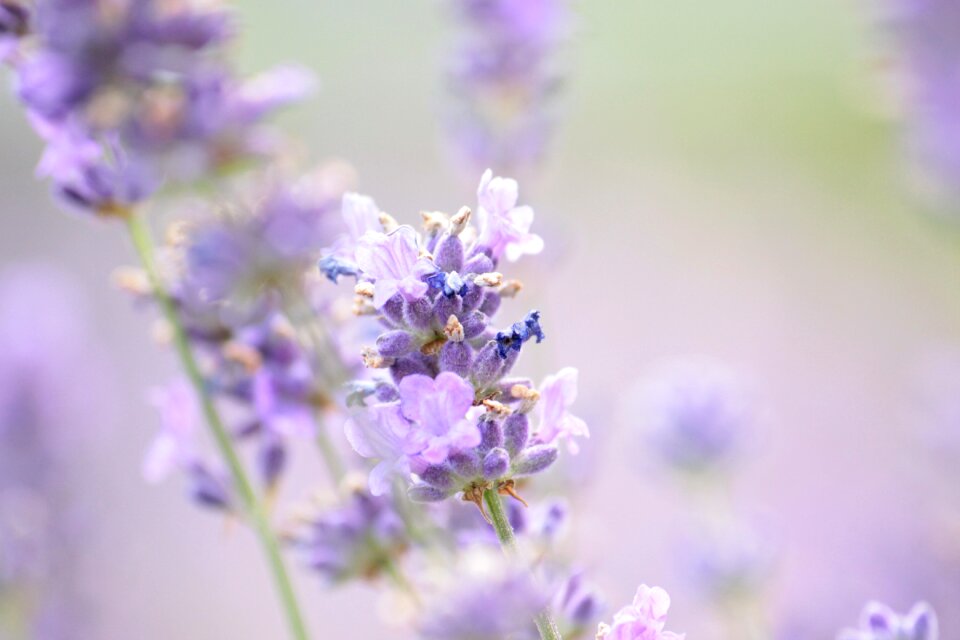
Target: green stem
x: 252, y: 505
x: 508, y: 541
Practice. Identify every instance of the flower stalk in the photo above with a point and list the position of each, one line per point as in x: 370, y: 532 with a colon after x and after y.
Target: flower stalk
x: 253, y: 507
x: 508, y: 542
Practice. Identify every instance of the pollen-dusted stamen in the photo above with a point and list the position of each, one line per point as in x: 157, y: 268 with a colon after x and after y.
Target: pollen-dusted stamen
x: 474, y: 494
x: 453, y: 330
x: 528, y: 396
x: 492, y: 279
x: 388, y: 222
x: 434, y: 221
x: 363, y: 306
x: 132, y: 280
x: 373, y: 360
x: 433, y: 347
x: 460, y: 220
x: 364, y: 289
x: 508, y: 488
x: 497, y: 407
x: 510, y: 289
x: 242, y: 354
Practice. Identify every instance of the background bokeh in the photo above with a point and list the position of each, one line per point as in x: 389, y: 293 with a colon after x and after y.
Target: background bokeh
x: 727, y: 180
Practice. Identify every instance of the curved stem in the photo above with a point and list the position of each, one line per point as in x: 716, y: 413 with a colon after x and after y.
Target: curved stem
x: 508, y: 541
x: 252, y: 505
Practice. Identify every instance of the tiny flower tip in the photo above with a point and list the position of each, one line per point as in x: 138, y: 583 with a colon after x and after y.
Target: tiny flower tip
x: 388, y: 222
x: 497, y: 408
x: 364, y: 289
x: 511, y: 288
x: 242, y: 354
x: 434, y: 221
x: 373, y: 360
x: 460, y: 220
x: 492, y: 279
x: 453, y: 329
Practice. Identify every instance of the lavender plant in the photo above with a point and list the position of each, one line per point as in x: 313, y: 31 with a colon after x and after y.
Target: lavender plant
x: 880, y: 622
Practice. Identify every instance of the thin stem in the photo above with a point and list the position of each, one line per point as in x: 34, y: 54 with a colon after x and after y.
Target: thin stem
x: 252, y: 505
x: 508, y: 541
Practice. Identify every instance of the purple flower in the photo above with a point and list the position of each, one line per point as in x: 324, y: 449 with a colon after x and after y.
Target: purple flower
x: 441, y: 408
x: 482, y: 599
x: 174, y: 447
x: 505, y: 227
x: 353, y: 539
x: 644, y: 619
x: 392, y: 261
x: 880, y: 622
x: 557, y: 394
x: 382, y: 432
x: 360, y: 215
x: 694, y: 413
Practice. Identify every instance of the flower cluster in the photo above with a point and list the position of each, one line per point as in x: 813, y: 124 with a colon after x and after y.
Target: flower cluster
x: 504, y: 74
x: 357, y: 537
x: 232, y: 278
x: 450, y: 414
x: 644, y: 619
x: 880, y: 622
x: 128, y: 94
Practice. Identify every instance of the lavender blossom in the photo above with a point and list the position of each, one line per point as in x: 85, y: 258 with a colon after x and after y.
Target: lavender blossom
x: 483, y: 600
x: 644, y: 619
x: 355, y: 538
x: 504, y: 76
x: 146, y: 83
x: 693, y: 414
x: 454, y: 419
x: 880, y: 622
x: 45, y: 415
x: 927, y: 33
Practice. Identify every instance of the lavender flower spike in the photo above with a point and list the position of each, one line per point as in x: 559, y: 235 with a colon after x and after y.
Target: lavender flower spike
x: 644, y: 619
x: 880, y: 622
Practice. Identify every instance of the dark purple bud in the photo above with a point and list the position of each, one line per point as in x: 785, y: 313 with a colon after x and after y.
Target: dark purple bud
x: 438, y: 476
x: 491, y: 303
x: 449, y: 254
x: 207, y: 488
x: 479, y: 263
x: 534, y: 459
x: 517, y: 515
x: 445, y: 307
x: 426, y: 493
x: 410, y: 364
x: 465, y: 464
x: 473, y: 297
x: 555, y: 519
x: 271, y: 459
x: 516, y: 432
x: 393, y: 310
x: 418, y: 313
x: 496, y: 463
x: 486, y: 366
x: 473, y: 325
x: 456, y: 357
x: 491, y: 434
x: 394, y: 344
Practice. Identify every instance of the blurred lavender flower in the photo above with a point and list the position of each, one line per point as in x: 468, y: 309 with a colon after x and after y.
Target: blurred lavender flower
x: 644, y: 619
x: 144, y: 80
x: 453, y: 418
x: 693, y: 413
x: 45, y: 413
x: 356, y: 538
x: 727, y: 561
x: 880, y: 622
x: 930, y: 50
x: 503, y: 75
x: 576, y: 606
x: 483, y: 599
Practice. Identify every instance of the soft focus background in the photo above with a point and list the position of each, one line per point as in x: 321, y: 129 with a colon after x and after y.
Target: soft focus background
x: 727, y: 180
